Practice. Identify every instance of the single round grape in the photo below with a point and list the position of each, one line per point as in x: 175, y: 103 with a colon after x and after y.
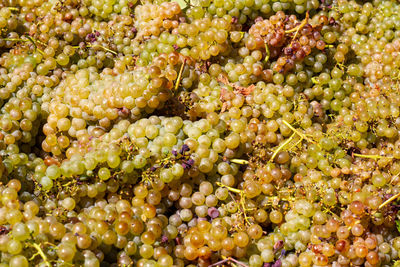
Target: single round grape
x: 104, y: 173
x: 18, y: 260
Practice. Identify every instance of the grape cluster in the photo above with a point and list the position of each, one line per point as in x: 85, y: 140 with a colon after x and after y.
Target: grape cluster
x: 85, y: 100
x: 153, y: 18
x: 276, y: 34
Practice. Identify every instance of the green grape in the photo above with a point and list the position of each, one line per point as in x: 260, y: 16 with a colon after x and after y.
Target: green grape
x: 19, y: 260
x: 46, y: 183
x: 113, y: 161
x: 104, y: 173
x: 14, y: 247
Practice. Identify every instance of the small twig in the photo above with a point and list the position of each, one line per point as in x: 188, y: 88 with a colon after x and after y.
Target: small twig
x: 41, y: 253
x: 178, y: 80
x: 14, y: 40
x: 30, y: 39
x: 242, y: 199
x: 238, y: 262
x: 34, y: 44
x: 328, y: 210
x: 105, y: 48
x: 351, y: 226
x: 389, y: 200
x: 294, y: 145
x: 299, y: 27
x: 235, y: 190
x: 303, y: 136
x: 36, y: 41
x: 394, y: 177
x: 281, y: 146
x: 341, y: 66
x: 371, y: 156
x: 295, y: 131
x: 228, y: 260
x: 267, y: 52
x: 239, y: 161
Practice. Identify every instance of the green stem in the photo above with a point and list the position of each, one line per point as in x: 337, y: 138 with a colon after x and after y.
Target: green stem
x: 34, y: 44
x: 314, y: 80
x: 394, y: 177
x: 178, y: 80
x: 303, y: 136
x: 298, y: 142
x: 235, y: 190
x: 267, y: 52
x: 298, y: 28
x: 14, y: 40
x: 239, y: 161
x: 105, y: 48
x: 389, y: 200
x: 372, y: 156
x: 41, y: 253
x: 281, y: 146
x: 30, y: 39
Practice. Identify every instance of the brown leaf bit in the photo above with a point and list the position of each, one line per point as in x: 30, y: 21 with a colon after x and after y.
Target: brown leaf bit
x: 237, y: 89
x: 226, y: 95
x: 224, y: 98
x: 247, y: 90
x: 202, y: 67
x: 132, y: 65
x: 223, y: 79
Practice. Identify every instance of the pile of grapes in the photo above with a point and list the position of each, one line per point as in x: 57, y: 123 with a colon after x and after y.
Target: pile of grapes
x: 247, y: 133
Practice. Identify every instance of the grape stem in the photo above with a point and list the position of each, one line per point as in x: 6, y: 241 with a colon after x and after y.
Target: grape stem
x: 235, y: 190
x: 389, y: 200
x: 302, y: 136
x: 229, y: 259
x: 341, y: 66
x: 351, y: 226
x: 242, y: 199
x: 178, y: 80
x: 371, y: 156
x: 105, y: 48
x: 314, y: 80
x: 299, y: 27
x: 394, y: 178
x: 281, y: 146
x: 267, y: 52
x: 41, y: 253
x: 30, y: 39
x: 14, y: 40
x: 239, y: 161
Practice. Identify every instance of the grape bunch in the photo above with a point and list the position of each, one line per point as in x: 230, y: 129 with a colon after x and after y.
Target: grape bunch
x: 285, y: 33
